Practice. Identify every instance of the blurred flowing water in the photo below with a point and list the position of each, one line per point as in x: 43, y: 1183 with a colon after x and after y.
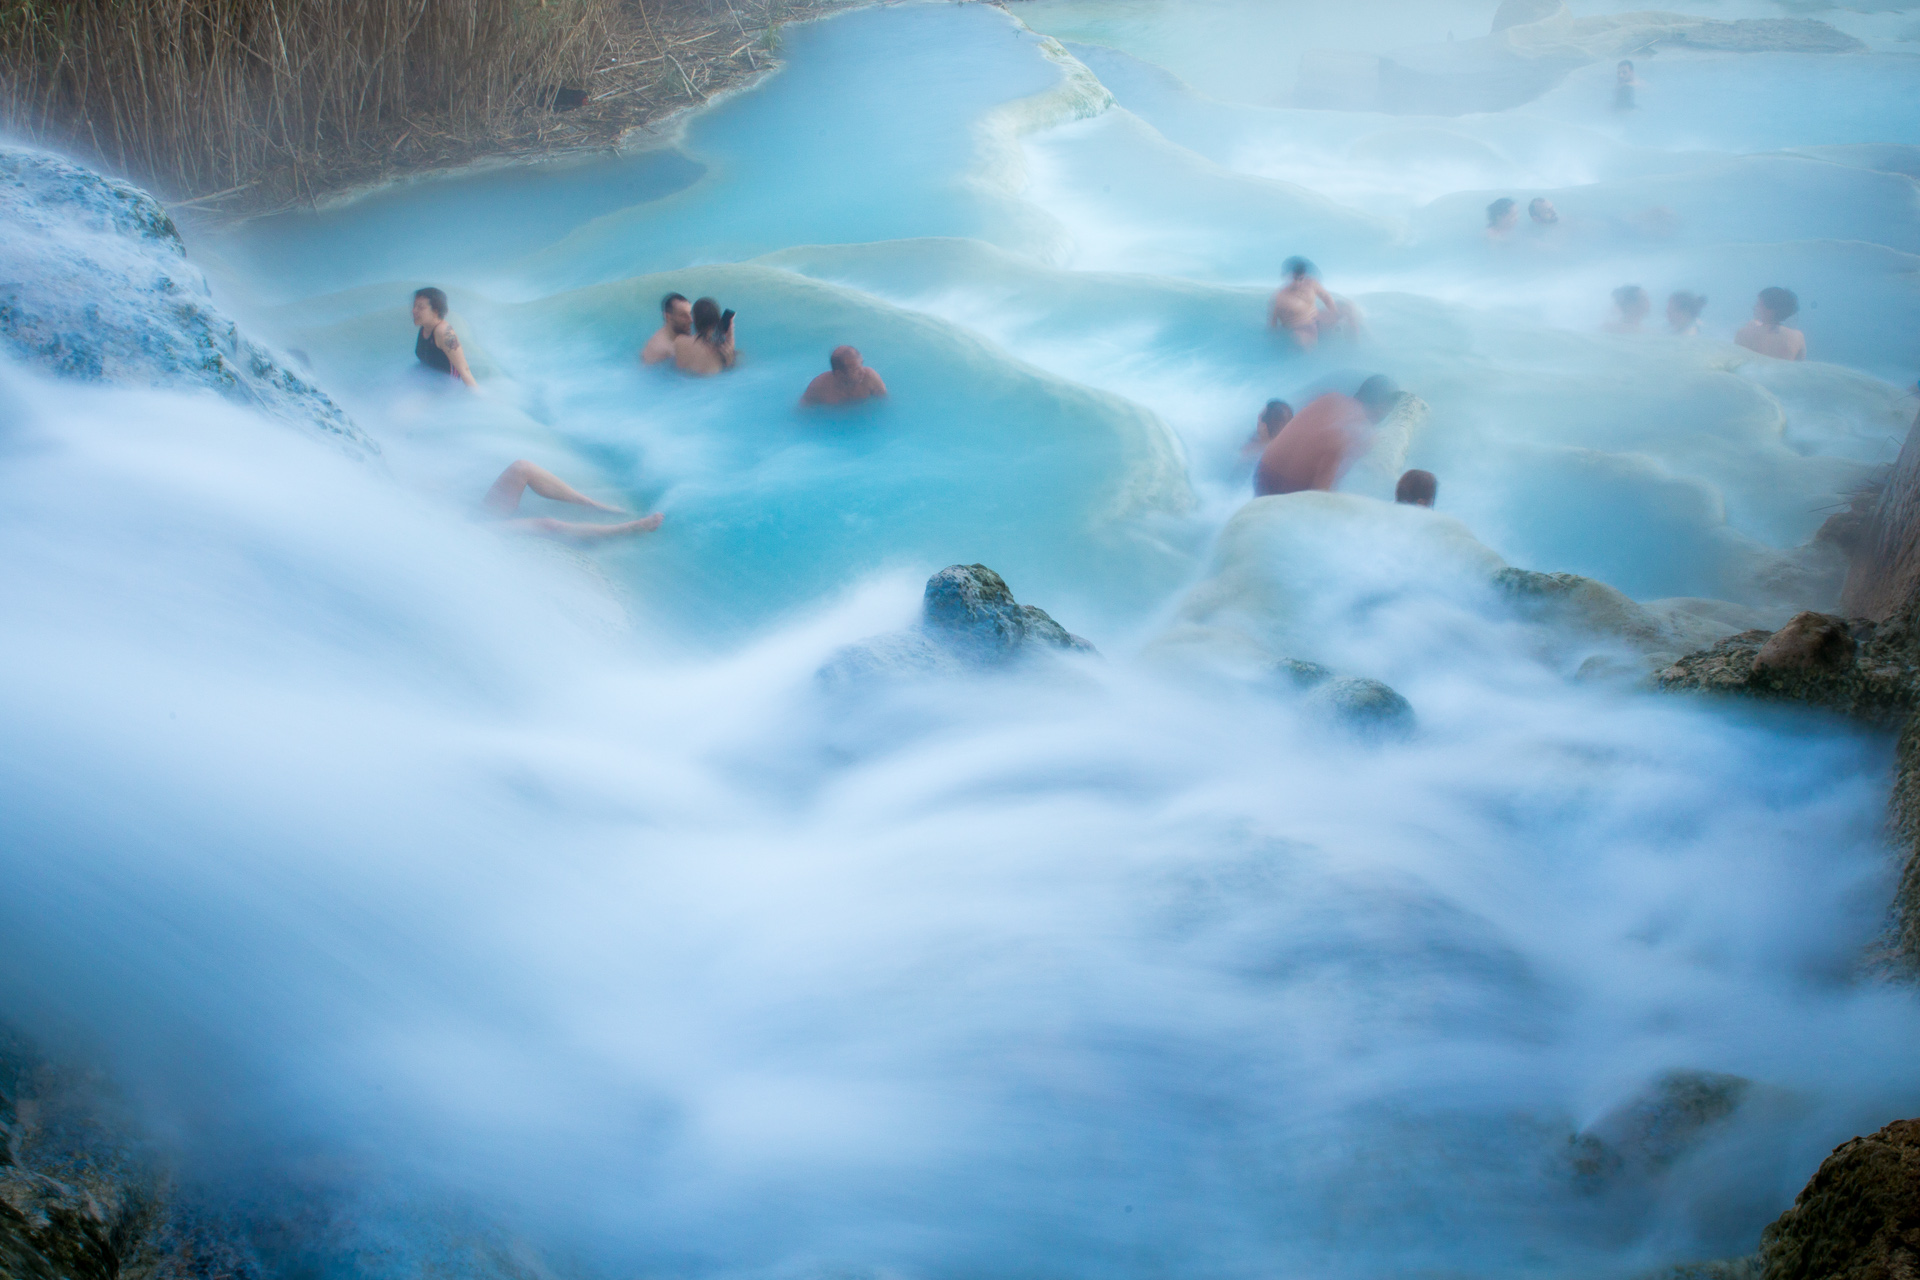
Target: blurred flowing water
x: 473, y: 888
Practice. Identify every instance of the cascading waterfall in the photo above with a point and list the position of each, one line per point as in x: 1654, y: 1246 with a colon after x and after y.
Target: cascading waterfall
x: 476, y: 888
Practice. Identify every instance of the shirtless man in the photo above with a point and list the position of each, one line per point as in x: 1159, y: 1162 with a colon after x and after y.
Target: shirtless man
x: 676, y: 318
x: 503, y: 500
x: 1303, y: 307
x: 1683, y: 313
x: 1315, y: 449
x: 848, y: 382
x: 436, y: 345
x: 709, y: 348
x: 1630, y: 307
x: 1273, y: 418
x: 1767, y: 332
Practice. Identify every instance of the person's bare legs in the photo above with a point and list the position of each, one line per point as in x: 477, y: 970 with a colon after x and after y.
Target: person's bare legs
x: 504, y: 497
x: 571, y: 531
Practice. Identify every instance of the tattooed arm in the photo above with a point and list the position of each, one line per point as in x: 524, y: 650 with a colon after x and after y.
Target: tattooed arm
x: 448, y: 341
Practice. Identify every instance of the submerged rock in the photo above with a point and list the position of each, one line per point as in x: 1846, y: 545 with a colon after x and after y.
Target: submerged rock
x: 1369, y: 707
x: 1858, y: 1218
x: 1650, y: 1132
x: 95, y: 284
x: 969, y: 622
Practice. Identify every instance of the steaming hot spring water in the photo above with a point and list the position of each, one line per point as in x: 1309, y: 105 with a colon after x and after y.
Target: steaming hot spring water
x: 463, y: 897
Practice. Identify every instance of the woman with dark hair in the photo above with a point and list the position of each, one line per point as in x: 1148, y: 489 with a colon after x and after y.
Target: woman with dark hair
x: 1503, y: 215
x: 436, y: 345
x: 709, y: 348
x: 1683, y: 313
x: 1767, y: 332
x: 1630, y: 307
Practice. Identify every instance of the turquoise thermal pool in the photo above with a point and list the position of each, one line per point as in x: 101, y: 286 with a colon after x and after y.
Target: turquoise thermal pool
x: 464, y: 887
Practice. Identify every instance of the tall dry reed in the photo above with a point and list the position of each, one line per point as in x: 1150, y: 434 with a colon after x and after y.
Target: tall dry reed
x: 208, y: 97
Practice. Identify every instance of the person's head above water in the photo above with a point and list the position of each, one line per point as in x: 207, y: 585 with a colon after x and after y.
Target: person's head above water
x: 429, y: 300
x: 1502, y: 214
x: 1276, y: 415
x: 845, y: 361
x: 1294, y: 268
x: 1684, y: 308
x: 1632, y: 301
x: 1541, y: 210
x: 706, y: 318
x: 677, y: 312
x: 1775, y: 305
x: 1378, y: 395
x: 1417, y: 489
x: 1624, y: 71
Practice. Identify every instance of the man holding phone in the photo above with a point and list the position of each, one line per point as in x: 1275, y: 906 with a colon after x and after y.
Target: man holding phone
x: 709, y: 348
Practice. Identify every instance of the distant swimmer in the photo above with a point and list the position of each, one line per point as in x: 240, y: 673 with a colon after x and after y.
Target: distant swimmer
x: 1767, y: 332
x: 1276, y: 415
x: 436, y: 345
x: 1417, y: 489
x: 676, y: 318
x: 1503, y: 215
x: 1543, y: 214
x: 1315, y: 449
x: 1624, y: 83
x: 709, y: 348
x: 503, y: 500
x: 1630, y: 307
x: 848, y: 381
x: 1683, y: 313
x: 1303, y: 307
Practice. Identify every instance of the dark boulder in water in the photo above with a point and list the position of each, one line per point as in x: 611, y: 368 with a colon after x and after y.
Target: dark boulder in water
x: 1858, y: 1218
x: 1809, y: 642
x: 95, y: 285
x: 969, y: 622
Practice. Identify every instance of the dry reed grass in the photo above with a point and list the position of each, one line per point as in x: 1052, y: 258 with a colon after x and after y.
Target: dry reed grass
x: 243, y: 105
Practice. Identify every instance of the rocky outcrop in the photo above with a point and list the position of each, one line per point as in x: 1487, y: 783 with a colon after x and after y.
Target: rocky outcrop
x: 1855, y: 667
x: 1884, y: 545
x: 82, y: 1198
x: 95, y: 284
x: 1650, y: 1132
x: 1369, y: 707
x: 969, y: 622
x: 1859, y: 1216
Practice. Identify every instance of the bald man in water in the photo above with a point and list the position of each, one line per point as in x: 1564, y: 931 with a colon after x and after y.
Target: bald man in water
x: 849, y: 381
x: 1315, y: 449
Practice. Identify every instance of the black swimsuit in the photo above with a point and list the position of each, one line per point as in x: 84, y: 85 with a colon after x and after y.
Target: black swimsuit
x: 428, y: 353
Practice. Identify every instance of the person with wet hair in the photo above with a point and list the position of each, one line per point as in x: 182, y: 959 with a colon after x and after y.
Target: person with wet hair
x: 1625, y: 81
x: 436, y: 345
x: 1541, y: 211
x: 1303, y: 307
x: 1630, y: 307
x: 1315, y: 449
x: 1683, y: 313
x: 1273, y: 418
x: 709, y: 348
x: 503, y: 501
x: 676, y: 318
x: 1767, y: 332
x: 848, y: 380
x: 1503, y: 215
x: 1417, y: 489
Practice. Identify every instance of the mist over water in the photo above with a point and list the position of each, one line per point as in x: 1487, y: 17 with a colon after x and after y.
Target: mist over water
x: 470, y: 892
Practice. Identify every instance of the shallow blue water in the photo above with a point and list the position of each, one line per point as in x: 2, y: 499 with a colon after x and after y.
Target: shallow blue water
x: 481, y: 890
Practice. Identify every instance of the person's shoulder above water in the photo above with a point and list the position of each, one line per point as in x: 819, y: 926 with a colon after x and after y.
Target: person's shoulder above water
x: 435, y: 344
x: 1767, y: 332
x: 709, y: 349
x: 848, y: 380
x: 676, y: 318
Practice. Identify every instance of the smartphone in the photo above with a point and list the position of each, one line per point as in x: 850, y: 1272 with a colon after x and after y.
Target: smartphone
x: 726, y: 320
